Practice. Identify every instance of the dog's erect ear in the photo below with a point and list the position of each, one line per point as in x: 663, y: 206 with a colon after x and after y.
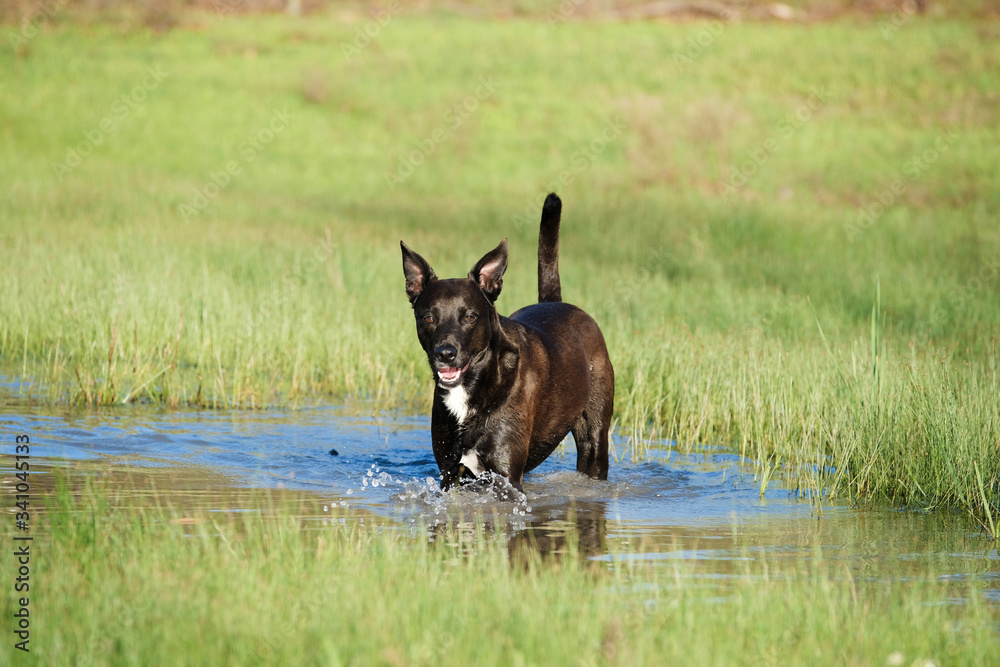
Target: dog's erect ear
x: 417, y: 271
x: 488, y: 272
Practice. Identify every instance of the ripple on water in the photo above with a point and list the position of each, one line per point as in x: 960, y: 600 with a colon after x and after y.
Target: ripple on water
x: 672, y: 508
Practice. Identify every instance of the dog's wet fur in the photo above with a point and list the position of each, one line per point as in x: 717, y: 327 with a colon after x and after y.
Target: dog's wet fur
x: 510, y: 389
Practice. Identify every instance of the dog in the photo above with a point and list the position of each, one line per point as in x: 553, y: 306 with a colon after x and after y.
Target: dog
x: 508, y: 390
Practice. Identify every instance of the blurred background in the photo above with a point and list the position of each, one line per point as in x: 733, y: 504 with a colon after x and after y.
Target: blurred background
x: 211, y: 192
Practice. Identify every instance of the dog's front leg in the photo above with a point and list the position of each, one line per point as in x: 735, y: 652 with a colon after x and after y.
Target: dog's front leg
x: 445, y: 440
x: 504, y: 451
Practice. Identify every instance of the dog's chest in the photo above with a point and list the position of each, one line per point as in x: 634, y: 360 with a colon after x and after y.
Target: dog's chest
x: 456, y: 400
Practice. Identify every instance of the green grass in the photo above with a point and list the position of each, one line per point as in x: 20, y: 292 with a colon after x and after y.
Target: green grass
x: 288, y: 284
x: 121, y: 582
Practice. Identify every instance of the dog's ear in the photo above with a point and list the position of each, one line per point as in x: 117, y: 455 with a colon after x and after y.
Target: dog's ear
x: 417, y: 271
x: 488, y: 272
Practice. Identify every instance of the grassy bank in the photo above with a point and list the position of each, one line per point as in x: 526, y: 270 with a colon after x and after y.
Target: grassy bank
x: 211, y: 217
x: 116, y: 582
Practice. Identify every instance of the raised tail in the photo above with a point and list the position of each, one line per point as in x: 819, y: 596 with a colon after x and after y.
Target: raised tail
x: 548, y: 251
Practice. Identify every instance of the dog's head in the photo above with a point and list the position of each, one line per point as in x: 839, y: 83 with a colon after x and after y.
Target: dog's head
x: 456, y: 319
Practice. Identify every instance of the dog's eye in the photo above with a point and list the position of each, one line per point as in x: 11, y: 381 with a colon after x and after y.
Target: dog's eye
x: 470, y: 318
x: 428, y: 318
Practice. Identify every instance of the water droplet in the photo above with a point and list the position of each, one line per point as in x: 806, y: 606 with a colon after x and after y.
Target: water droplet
x: 350, y: 491
x: 325, y: 508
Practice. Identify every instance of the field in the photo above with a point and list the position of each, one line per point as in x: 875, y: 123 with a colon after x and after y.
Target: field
x: 788, y: 234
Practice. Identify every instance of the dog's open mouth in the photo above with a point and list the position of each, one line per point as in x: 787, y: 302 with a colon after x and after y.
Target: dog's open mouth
x: 451, y: 376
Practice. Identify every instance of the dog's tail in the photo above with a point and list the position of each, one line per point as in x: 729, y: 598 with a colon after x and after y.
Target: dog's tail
x: 548, y: 251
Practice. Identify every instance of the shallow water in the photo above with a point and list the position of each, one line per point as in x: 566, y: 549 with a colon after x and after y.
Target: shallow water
x: 703, y: 510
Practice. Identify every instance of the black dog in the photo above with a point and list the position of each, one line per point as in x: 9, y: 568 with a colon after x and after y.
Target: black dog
x: 510, y: 389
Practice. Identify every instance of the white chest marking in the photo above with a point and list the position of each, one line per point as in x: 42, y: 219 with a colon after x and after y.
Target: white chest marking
x: 471, y: 461
x: 457, y: 402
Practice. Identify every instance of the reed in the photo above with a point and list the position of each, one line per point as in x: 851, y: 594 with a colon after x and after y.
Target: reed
x: 708, y: 282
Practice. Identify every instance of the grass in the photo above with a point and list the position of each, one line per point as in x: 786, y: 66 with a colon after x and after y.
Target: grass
x: 284, y: 283
x: 123, y: 582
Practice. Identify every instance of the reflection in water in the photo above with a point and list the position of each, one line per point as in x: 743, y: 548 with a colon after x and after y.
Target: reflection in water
x: 569, y: 529
x: 579, y: 529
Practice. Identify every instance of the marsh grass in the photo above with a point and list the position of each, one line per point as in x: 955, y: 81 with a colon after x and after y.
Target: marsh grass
x: 287, y: 286
x: 136, y: 575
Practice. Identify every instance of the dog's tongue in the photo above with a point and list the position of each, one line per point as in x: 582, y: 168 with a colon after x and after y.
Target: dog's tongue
x: 449, y: 374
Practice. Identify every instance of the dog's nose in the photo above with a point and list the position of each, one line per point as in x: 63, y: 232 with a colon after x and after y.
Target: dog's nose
x: 446, y: 354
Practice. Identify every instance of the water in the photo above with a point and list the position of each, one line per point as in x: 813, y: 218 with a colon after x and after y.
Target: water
x: 704, y: 509
x: 381, y: 459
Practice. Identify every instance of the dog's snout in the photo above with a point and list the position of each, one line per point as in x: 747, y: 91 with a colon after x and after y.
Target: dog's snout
x: 446, y: 354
